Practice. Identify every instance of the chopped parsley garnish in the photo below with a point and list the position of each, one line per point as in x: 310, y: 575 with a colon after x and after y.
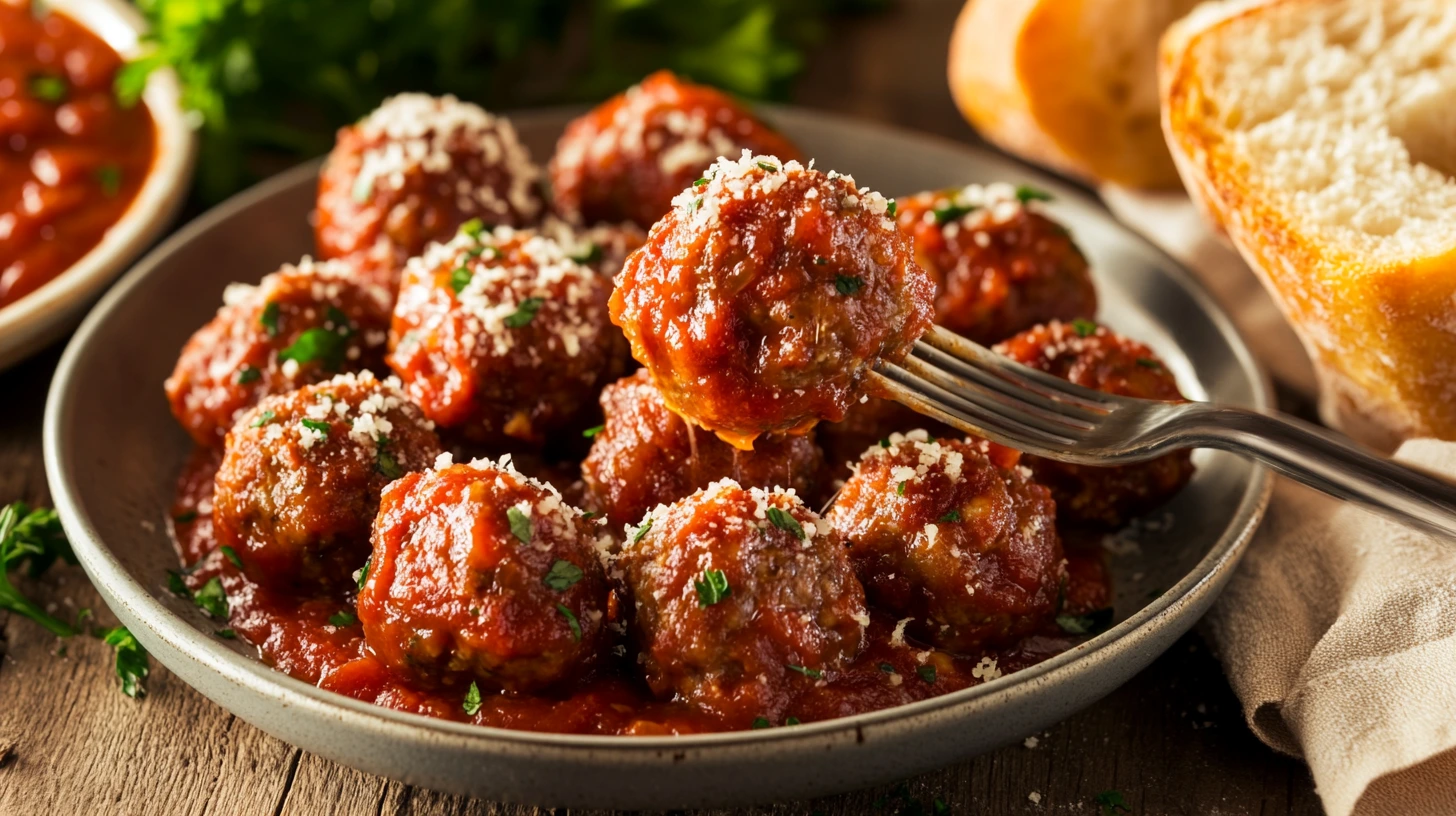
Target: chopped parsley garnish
x: 951, y: 517
x: 226, y: 634
x: 642, y: 531
x: 263, y: 419
x: 562, y: 575
x: 697, y: 203
x: 342, y: 618
x: 761, y: 722
x: 362, y: 188
x: 900, y: 489
x: 363, y: 574
x: 1084, y: 327
x: 887, y: 668
x: 177, y: 586
x: 712, y: 588
x: 35, y: 536
x: 890, y: 208
x: 588, y: 515
x: 315, y: 425
x: 848, y: 284
x: 247, y: 374
x: 131, y: 661
x: 384, y: 461
x: 806, y: 671
x: 212, y: 599
x: 320, y: 345
x: 109, y: 177
x: 785, y: 522
x: 1147, y: 363
x: 767, y: 166
x: 474, y: 227
x: 571, y: 621
x: 591, y: 255
x: 231, y: 555
x: 48, y: 87
x: 460, y: 278
x: 520, y: 524
x: 885, y: 443
x: 791, y: 721
x: 472, y: 699
x: 524, y: 313
x: 269, y: 318
x: 700, y: 182
x: 1088, y: 624
x: 927, y: 673
x: 1026, y: 193
x: 591, y: 433
x: 950, y: 212
x: 1112, y: 803
x: 941, y: 808
x: 820, y: 260
x: 185, y: 517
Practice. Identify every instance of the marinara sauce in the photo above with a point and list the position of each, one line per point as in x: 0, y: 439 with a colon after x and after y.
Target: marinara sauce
x: 72, y: 157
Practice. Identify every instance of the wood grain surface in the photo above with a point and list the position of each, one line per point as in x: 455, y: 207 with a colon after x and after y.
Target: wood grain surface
x: 1171, y: 742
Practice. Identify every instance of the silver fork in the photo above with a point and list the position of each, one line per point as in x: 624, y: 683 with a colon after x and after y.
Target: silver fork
x: 978, y: 391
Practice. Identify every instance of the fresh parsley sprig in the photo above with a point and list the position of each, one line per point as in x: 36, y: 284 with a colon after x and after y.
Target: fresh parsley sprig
x: 33, y: 536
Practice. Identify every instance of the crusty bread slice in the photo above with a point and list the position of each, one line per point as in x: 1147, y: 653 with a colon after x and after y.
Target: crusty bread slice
x: 1071, y: 84
x: 1321, y: 134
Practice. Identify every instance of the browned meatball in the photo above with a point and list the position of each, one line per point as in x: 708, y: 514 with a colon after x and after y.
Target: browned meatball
x: 626, y: 158
x: 301, y: 475
x: 762, y: 301
x: 480, y: 574
x: 499, y: 335
x: 1094, y: 357
x: 646, y: 455
x: 411, y: 173
x: 300, y: 325
x: 743, y: 596
x: 1000, y: 265
x: 939, y: 534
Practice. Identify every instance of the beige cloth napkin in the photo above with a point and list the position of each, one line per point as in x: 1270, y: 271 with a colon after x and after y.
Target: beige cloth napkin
x: 1338, y: 631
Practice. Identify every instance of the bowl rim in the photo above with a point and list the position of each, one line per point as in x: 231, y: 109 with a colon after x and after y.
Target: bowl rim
x: 109, y: 575
x: 123, y: 28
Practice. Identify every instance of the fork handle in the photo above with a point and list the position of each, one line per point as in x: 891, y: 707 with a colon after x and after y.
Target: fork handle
x: 1333, y: 464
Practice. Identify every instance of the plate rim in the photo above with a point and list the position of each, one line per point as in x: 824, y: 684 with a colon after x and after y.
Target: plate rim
x: 113, y: 581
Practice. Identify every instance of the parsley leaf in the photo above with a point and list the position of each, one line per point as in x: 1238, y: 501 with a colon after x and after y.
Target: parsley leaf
x: 109, y: 177
x: 642, y: 531
x: 34, y: 536
x: 186, y: 517
x: 226, y: 634
x: 571, y: 621
x: 713, y: 588
x: 315, y: 425
x: 562, y: 575
x: 472, y: 699
x: 848, y: 284
x: 212, y: 599
x: 474, y: 227
x: 806, y: 671
x: 232, y: 556
x: 592, y: 254
x: 263, y: 419
x: 460, y: 278
x: 384, y: 461
x: 785, y: 522
x: 247, y: 374
x: 177, y: 586
x: 1149, y: 363
x: 1084, y: 327
x: 318, y: 345
x: 131, y: 661
x: 887, y: 668
x: 520, y: 524
x: 591, y: 433
x: 900, y: 489
x: 1088, y: 624
x: 269, y: 318
x: 342, y: 618
x: 1112, y: 803
x: 770, y: 167
x: 761, y: 722
x: 525, y: 312
x: 950, y: 212
x: 48, y: 87
x: 951, y: 517
x: 1025, y: 193
x: 363, y: 574
x: 927, y: 673
x: 891, y: 207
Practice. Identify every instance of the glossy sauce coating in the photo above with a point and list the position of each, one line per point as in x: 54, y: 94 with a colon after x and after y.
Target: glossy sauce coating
x: 72, y: 158
x: 1095, y: 357
x: 626, y: 158
x: 763, y: 299
x: 300, y: 325
x: 500, y: 335
x: 646, y: 455
x: 1000, y: 265
x: 301, y: 476
x: 964, y: 550
x: 411, y: 173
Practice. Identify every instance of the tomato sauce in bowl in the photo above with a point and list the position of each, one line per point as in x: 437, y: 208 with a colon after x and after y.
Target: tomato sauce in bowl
x: 72, y: 156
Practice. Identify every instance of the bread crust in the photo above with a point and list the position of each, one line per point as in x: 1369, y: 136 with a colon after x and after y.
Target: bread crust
x: 1383, y: 336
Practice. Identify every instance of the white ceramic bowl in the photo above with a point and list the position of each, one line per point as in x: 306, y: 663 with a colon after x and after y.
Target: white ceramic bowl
x: 50, y: 311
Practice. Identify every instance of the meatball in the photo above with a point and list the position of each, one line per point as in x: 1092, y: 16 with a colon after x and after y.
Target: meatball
x: 762, y: 301
x: 499, y: 335
x: 742, y: 597
x: 300, y: 325
x: 411, y: 173
x: 940, y: 534
x: 481, y: 574
x: 1090, y: 355
x: 999, y: 264
x: 626, y: 159
x: 646, y: 455
x: 301, y: 476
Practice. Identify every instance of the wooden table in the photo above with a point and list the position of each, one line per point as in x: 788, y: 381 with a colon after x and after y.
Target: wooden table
x: 1172, y: 741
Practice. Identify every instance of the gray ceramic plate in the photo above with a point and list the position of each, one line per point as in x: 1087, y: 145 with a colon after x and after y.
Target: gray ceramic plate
x: 112, y: 452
